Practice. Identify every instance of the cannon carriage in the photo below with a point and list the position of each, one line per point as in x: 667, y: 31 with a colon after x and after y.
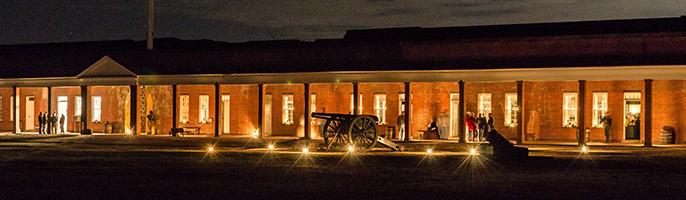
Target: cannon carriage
x: 343, y: 131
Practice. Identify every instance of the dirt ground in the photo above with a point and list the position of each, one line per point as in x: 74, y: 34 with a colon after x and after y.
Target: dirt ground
x: 144, y: 167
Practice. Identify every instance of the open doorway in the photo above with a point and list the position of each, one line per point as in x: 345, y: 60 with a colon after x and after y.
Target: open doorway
x: 225, y: 114
x: 632, y: 115
x: 62, y: 103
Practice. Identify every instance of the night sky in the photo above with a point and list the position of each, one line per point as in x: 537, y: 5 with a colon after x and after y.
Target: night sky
x: 47, y: 21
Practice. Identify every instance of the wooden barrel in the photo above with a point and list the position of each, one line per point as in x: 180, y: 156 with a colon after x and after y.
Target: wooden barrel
x: 108, y: 128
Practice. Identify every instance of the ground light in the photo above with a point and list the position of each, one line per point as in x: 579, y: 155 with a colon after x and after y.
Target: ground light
x: 254, y: 134
x: 584, y: 149
x: 473, y: 151
x: 271, y: 147
x: 351, y: 148
x: 210, y: 149
x: 429, y: 151
x: 305, y: 150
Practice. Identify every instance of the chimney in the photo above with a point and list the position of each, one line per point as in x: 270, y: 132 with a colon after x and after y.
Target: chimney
x: 151, y: 15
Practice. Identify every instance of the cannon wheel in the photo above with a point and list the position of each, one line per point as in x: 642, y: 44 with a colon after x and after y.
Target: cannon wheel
x: 334, y: 137
x: 363, y: 133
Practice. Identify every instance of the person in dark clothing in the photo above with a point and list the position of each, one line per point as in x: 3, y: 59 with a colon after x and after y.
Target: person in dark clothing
x: 432, y: 131
x: 490, y: 123
x: 40, y: 123
x: 482, y: 126
x: 53, y: 121
x: 62, y: 123
x: 607, y: 123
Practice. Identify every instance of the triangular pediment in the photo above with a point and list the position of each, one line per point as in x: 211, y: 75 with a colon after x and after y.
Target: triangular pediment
x: 106, y: 67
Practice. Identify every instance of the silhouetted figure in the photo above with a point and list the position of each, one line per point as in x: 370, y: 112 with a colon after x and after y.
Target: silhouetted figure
x: 40, y: 123
x: 62, y: 123
x: 53, y: 121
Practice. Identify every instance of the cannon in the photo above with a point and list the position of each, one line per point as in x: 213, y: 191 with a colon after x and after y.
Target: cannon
x: 342, y: 131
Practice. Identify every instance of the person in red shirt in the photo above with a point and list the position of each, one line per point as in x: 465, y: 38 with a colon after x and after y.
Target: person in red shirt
x: 471, y: 125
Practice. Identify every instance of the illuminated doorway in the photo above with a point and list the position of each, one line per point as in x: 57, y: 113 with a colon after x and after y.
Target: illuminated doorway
x: 29, y: 113
x: 632, y: 115
x: 62, y: 102
x: 267, y: 114
x: 225, y: 113
x: 454, y: 114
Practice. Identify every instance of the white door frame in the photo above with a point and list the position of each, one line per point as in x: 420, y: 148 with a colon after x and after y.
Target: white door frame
x: 30, y: 118
x: 226, y: 113
x: 267, y: 115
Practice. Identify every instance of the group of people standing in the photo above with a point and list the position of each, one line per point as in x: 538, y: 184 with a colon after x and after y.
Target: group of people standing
x: 47, y: 123
x: 477, y: 127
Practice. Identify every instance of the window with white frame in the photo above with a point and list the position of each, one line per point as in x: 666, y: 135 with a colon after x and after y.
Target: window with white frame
x: 287, y: 109
x: 97, y: 109
x: 484, y: 104
x: 599, y: 107
x: 510, y: 109
x: 204, y: 111
x: 184, y: 115
x: 313, y: 108
x: 77, y: 106
x: 352, y: 102
x: 569, y: 115
x: 380, y: 107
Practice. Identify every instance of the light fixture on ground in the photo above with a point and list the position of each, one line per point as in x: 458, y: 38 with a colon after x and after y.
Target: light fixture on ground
x: 473, y: 151
x: 271, y: 147
x: 583, y: 148
x: 351, y: 148
x: 210, y: 149
x: 254, y: 134
x: 305, y: 150
x: 429, y: 151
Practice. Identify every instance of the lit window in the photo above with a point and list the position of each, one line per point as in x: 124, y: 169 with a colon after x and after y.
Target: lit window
x: 569, y: 108
x: 313, y: 108
x: 599, y: 107
x: 484, y: 103
x: 77, y: 108
x: 380, y: 107
x: 184, y: 115
x: 288, y: 109
x: 97, y: 110
x: 0, y: 108
x: 204, y: 111
x: 510, y: 109
x: 352, y: 102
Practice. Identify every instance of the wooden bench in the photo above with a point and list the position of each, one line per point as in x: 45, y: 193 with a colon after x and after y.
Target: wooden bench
x: 187, y: 130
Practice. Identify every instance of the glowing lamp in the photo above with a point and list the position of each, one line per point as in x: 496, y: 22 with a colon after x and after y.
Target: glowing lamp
x: 428, y: 151
x: 584, y: 149
x: 271, y: 147
x: 473, y: 151
x: 350, y: 148
x: 305, y: 150
x: 210, y: 149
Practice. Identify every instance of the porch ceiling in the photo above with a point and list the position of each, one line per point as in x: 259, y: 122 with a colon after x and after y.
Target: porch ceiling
x: 662, y: 72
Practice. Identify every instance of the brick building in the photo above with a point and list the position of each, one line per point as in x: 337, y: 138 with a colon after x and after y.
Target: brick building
x: 566, y: 76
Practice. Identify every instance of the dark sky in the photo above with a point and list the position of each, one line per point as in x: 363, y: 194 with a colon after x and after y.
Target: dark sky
x: 46, y: 21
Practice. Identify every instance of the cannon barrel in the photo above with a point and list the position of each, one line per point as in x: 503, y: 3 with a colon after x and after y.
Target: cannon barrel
x: 339, y: 117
